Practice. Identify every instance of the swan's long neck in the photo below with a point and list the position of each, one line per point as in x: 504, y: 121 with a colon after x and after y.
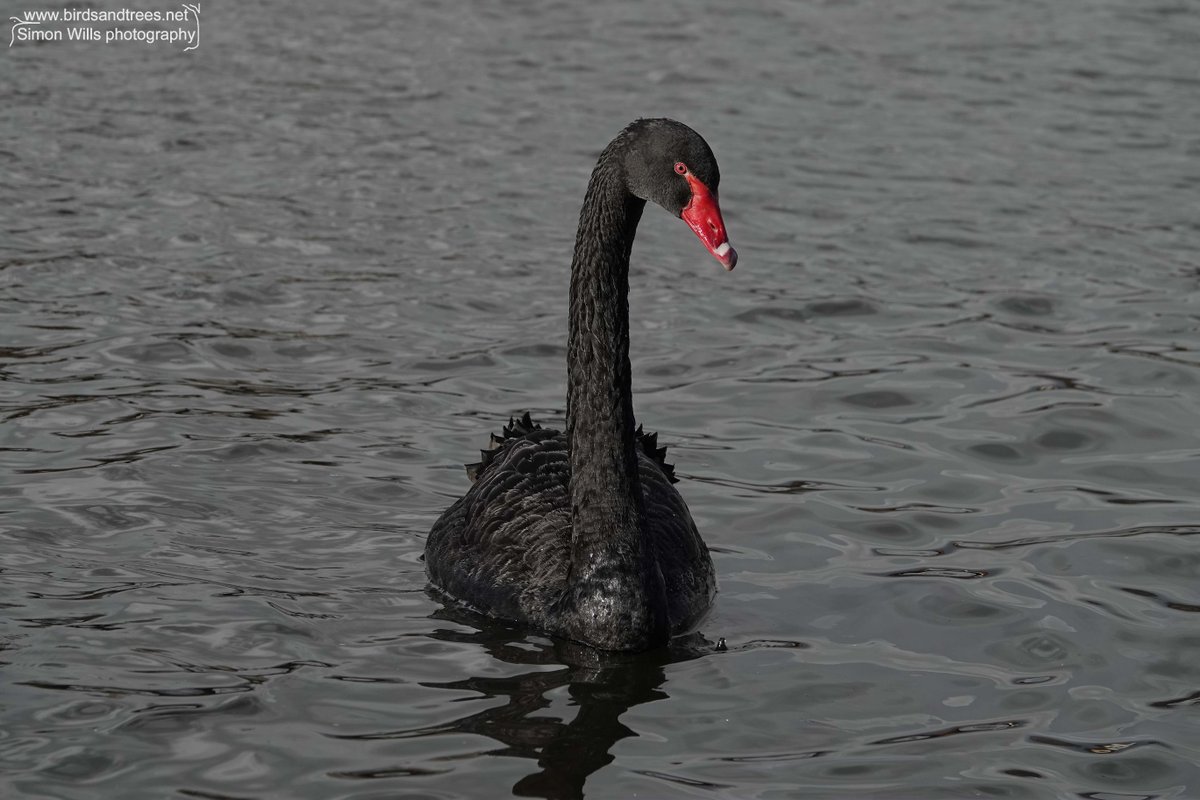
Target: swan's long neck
x: 612, y: 570
x: 605, y: 492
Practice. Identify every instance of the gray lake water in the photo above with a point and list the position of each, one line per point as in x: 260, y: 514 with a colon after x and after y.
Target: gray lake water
x: 260, y: 300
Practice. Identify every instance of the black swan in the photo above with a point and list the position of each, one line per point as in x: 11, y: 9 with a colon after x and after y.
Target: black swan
x: 582, y: 535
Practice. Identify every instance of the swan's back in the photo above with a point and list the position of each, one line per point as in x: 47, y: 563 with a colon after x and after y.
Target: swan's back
x: 505, y: 546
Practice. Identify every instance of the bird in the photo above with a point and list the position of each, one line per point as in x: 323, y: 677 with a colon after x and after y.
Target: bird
x: 581, y: 534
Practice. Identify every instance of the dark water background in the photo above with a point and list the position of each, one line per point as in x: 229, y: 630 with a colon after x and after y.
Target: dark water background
x: 258, y: 302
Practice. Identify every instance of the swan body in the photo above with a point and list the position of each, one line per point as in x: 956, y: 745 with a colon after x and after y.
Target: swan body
x: 581, y: 533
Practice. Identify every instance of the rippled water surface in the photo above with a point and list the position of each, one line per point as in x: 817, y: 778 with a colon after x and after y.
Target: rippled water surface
x: 260, y: 300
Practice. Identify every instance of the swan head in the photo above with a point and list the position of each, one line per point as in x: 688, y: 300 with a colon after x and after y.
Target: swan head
x: 668, y: 163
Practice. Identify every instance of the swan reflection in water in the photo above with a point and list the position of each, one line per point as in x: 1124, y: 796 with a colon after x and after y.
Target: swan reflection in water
x: 602, y: 686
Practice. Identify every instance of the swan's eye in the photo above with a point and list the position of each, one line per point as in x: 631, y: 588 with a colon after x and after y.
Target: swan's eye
x: 681, y: 167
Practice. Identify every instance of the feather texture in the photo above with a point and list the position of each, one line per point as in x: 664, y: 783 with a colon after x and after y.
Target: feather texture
x: 504, y: 547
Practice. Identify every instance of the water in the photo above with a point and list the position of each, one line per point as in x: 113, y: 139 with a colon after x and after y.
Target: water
x: 262, y: 299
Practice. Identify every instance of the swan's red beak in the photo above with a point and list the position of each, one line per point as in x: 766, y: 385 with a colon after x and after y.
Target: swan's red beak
x: 703, y: 216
